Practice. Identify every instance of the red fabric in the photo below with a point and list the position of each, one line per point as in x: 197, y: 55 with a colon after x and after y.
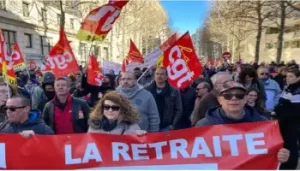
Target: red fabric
x: 63, y: 122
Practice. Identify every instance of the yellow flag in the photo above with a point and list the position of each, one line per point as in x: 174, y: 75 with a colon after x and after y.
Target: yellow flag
x: 159, y: 62
x: 9, y: 76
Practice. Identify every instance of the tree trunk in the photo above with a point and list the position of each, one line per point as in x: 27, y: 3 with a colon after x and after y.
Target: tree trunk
x: 281, y: 33
x: 62, y: 15
x: 259, y: 32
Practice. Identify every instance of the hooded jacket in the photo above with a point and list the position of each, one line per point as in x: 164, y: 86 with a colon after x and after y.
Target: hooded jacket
x: 34, y: 123
x: 216, y: 116
x: 145, y: 104
x: 39, y: 98
x: 273, y: 92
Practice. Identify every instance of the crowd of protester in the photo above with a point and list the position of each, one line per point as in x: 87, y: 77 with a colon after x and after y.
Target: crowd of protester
x: 143, y: 101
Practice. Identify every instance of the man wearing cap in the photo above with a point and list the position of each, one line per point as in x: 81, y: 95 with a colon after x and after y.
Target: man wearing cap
x: 233, y: 109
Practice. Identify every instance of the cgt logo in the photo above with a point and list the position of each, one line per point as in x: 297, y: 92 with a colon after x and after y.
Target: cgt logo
x: 103, y: 11
x: 60, y: 61
x: 178, y: 69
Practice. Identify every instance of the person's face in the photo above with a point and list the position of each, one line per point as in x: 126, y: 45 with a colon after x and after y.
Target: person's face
x: 106, y: 80
x: 221, y: 80
x: 233, y: 102
x: 111, y: 72
x: 249, y: 79
x: 137, y: 73
x: 4, y: 91
x: 111, y: 110
x: 291, y: 78
x: 16, y: 112
x: 49, y: 87
x: 263, y: 74
x: 127, y: 80
x: 160, y: 75
x: 61, y: 87
x: 252, y: 97
x: 201, y: 91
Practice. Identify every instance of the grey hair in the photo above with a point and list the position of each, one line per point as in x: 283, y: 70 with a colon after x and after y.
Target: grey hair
x: 24, y: 100
x: 215, y: 77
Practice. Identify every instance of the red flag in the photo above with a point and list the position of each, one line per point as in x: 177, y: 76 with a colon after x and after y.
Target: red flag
x: 124, y: 64
x: 94, y: 74
x: 168, y: 43
x: 17, y: 57
x: 182, y: 63
x: 61, y: 60
x: 99, y: 21
x: 134, y: 55
x: 32, y: 64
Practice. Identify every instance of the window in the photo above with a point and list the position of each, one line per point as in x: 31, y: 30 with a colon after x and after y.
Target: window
x: 44, y: 15
x: 2, y: 4
x: 72, y: 23
x: 10, y: 39
x: 95, y: 50
x: 83, y: 51
x: 28, y: 40
x: 106, y: 53
x: 25, y: 9
x: 269, y: 45
x: 58, y: 19
x: 287, y: 44
x: 272, y: 30
x: 46, y: 45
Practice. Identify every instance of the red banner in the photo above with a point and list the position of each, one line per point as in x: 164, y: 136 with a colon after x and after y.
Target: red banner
x: 61, y: 60
x: 134, y: 55
x: 182, y: 63
x: 94, y: 74
x: 99, y: 21
x: 17, y: 58
x: 231, y: 146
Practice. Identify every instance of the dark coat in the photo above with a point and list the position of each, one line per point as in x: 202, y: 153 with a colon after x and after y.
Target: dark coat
x: 80, y: 125
x: 34, y: 123
x: 173, y: 107
x: 188, y: 97
x: 288, y: 113
x: 216, y: 116
x: 206, y: 102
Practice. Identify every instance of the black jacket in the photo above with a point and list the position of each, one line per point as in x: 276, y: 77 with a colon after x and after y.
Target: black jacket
x: 188, y: 97
x: 80, y: 125
x: 34, y: 123
x: 172, y: 111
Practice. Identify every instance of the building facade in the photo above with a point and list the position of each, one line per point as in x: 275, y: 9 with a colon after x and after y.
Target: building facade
x: 34, y: 25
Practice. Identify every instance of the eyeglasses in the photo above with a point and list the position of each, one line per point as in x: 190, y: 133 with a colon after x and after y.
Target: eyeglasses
x: 264, y: 74
x: 229, y: 96
x: 112, y: 107
x: 198, y: 89
x: 13, y: 108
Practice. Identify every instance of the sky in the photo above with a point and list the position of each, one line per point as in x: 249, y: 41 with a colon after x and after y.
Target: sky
x: 186, y: 15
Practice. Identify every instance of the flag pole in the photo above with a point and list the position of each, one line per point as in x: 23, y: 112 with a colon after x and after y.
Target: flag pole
x: 144, y: 73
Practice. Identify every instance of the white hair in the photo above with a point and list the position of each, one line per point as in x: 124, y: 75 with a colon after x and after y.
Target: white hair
x: 215, y: 77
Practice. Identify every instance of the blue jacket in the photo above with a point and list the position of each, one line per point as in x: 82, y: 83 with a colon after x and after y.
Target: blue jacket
x: 273, y: 93
x: 216, y: 116
x: 34, y: 123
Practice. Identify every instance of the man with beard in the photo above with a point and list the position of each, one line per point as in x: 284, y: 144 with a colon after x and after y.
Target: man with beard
x: 142, y: 99
x: 43, y: 93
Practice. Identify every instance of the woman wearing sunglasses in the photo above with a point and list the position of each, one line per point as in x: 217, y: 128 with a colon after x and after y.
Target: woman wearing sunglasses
x: 114, y: 114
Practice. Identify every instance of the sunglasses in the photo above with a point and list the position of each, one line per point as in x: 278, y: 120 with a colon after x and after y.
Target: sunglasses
x: 264, y: 73
x: 229, y: 96
x: 13, y: 108
x: 112, y: 107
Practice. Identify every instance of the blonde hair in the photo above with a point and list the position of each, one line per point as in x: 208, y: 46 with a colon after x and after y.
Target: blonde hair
x: 127, y: 110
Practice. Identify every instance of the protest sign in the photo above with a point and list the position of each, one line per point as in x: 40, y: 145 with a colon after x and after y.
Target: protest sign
x: 231, y: 146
